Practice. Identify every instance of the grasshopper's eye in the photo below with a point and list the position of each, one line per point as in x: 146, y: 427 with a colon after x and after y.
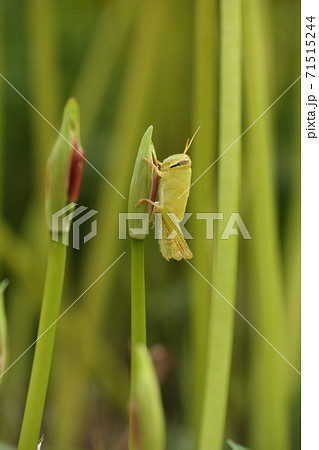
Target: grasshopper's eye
x: 182, y: 162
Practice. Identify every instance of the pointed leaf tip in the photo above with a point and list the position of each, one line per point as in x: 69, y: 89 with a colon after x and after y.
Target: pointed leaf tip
x: 141, y: 182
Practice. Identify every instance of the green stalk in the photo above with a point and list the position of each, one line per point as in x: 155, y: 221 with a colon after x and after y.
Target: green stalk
x: 138, y: 330
x: 292, y: 241
x: 269, y: 374
x: 292, y: 245
x: 138, y: 323
x: 292, y: 255
x: 58, y: 187
x: 221, y: 319
x: 201, y: 200
x: 31, y: 425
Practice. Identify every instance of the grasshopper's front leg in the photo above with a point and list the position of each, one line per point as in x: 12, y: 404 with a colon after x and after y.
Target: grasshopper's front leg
x: 154, y: 204
x: 157, y: 174
x: 154, y: 166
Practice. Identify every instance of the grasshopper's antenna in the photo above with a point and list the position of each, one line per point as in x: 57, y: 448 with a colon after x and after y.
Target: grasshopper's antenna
x: 189, y: 142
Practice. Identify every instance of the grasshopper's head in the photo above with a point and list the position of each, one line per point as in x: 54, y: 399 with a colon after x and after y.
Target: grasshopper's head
x: 176, y: 162
x: 179, y: 161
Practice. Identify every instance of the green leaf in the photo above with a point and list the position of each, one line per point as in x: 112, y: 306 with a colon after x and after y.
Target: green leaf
x: 225, y: 253
x: 235, y: 446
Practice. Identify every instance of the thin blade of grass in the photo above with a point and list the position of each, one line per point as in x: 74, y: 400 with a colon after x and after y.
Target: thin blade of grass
x: 221, y: 318
x: 268, y: 415
x: 32, y: 418
x: 202, y: 197
x: 292, y: 225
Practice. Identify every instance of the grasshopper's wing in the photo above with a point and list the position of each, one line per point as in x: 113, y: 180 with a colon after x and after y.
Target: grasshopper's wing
x: 172, y: 244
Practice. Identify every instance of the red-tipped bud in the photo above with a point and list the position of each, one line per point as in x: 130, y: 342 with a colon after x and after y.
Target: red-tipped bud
x: 65, y: 166
x: 76, y: 171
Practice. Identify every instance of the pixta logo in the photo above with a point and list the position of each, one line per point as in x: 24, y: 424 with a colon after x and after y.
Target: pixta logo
x: 61, y: 224
x: 234, y: 226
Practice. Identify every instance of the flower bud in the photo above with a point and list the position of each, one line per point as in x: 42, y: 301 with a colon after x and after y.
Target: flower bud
x: 147, y: 416
x: 65, y: 165
x: 141, y: 183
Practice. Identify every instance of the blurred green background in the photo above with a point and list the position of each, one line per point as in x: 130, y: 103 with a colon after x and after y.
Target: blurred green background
x: 131, y: 64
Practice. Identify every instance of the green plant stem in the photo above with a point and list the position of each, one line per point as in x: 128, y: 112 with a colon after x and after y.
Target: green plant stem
x: 138, y: 330
x: 292, y: 240
x: 138, y: 322
x: 44, y: 347
x: 269, y: 374
x: 221, y: 320
x: 204, y: 152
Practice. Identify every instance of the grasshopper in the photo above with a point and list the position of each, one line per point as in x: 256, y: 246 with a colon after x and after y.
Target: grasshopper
x: 175, y: 178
